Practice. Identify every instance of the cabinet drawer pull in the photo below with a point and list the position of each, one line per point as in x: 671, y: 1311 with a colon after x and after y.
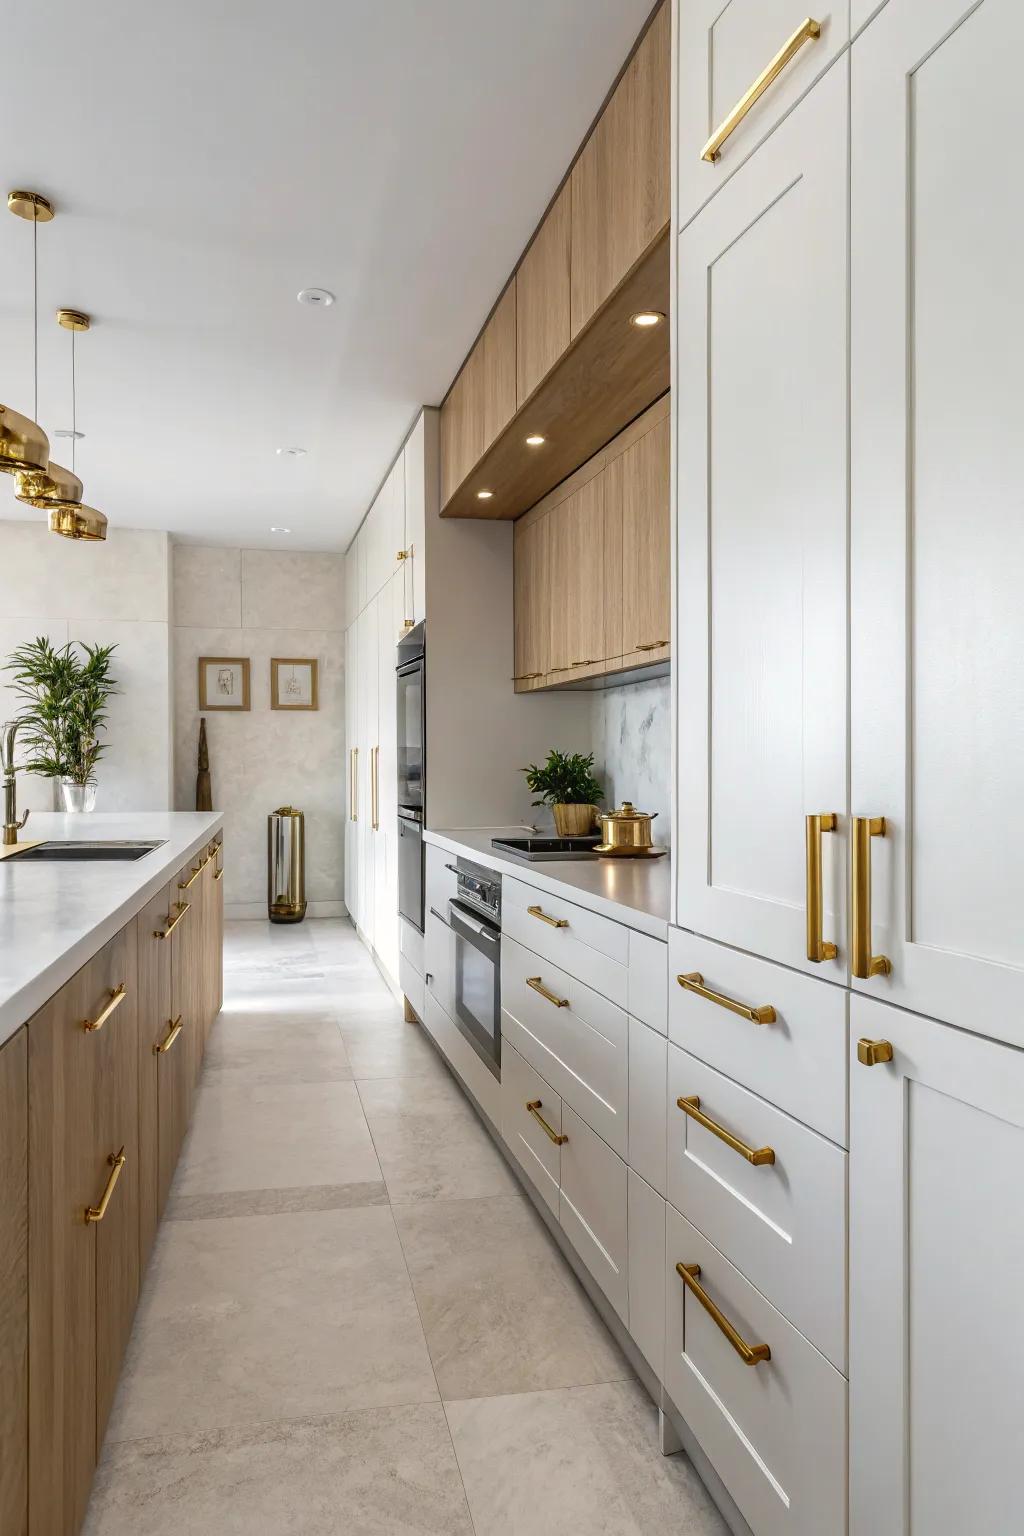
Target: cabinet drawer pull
x: 172, y: 922
x: 538, y: 986
x: 116, y: 998
x: 183, y: 885
x: 117, y: 1161
x: 218, y: 874
x: 873, y: 1053
x: 526, y: 677
x: 173, y: 1031
x: 535, y: 1106
x: 750, y: 1354
x: 693, y: 981
x: 862, y: 962
x: 402, y: 554
x: 818, y: 948
x: 759, y: 1156
x: 650, y: 645
x: 554, y: 922
x: 805, y: 33
x: 588, y: 661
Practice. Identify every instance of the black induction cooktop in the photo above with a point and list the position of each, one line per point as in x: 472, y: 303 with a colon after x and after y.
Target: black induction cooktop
x: 534, y: 849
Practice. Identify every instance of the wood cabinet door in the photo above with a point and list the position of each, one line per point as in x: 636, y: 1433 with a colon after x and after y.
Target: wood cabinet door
x: 761, y: 648
x: 542, y: 299
x: 215, y: 924
x: 936, y: 1267
x: 575, y: 591
x: 499, y: 367
x: 533, y: 595
x: 462, y: 423
x: 154, y: 1010
x: 937, y: 537
x: 620, y: 183
x: 14, y: 1285
x: 187, y: 967
x: 646, y: 551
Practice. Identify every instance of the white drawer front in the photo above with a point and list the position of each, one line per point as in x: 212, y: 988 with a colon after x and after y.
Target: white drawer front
x: 648, y: 1065
x: 797, y: 1062
x: 411, y: 945
x: 589, y: 947
x: 536, y: 1152
x: 439, y: 880
x: 722, y: 49
x: 648, y: 980
x: 775, y: 1432
x: 412, y: 984
x: 581, y: 1048
x: 783, y: 1224
x: 439, y: 960
x: 647, y: 1271
x: 592, y: 1208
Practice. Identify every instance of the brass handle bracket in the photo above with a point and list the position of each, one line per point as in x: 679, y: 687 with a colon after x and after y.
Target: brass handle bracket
x: 553, y: 922
x: 117, y: 997
x: 863, y: 963
x: 806, y: 32
x: 117, y: 1161
x: 650, y: 645
x: 535, y: 1106
x: 538, y: 986
x: 174, y: 1029
x: 172, y: 922
x: 758, y: 1156
x: 818, y: 948
x: 693, y: 982
x: 750, y: 1354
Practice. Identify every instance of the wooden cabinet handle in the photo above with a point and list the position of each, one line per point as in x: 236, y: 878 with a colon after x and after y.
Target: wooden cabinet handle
x: 117, y: 1161
x: 116, y: 998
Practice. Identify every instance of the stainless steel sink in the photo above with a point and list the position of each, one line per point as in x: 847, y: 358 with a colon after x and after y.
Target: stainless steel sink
x: 86, y: 852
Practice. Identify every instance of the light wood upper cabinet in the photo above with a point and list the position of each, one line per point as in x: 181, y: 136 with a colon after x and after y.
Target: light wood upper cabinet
x: 620, y: 183
x: 499, y: 366
x: 646, y: 567
x: 462, y: 423
x: 14, y: 1286
x: 542, y: 298
x: 575, y: 595
x: 532, y: 554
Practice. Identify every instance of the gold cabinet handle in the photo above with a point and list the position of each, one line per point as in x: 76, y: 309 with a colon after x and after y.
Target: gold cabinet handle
x: 553, y: 922
x: 403, y: 554
x: 873, y: 1053
x: 116, y: 998
x: 750, y: 1354
x: 183, y: 885
x: 818, y: 948
x: 862, y: 962
x: 173, y: 1031
x: 650, y: 645
x: 805, y: 33
x: 526, y: 677
x: 588, y: 661
x: 535, y: 1106
x: 693, y: 981
x: 537, y: 985
x: 117, y: 1161
x: 172, y: 922
x: 759, y: 1156
x: 218, y: 874
x: 353, y: 787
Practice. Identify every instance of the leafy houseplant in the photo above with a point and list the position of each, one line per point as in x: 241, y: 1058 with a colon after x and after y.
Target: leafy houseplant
x: 64, y: 696
x: 566, y: 782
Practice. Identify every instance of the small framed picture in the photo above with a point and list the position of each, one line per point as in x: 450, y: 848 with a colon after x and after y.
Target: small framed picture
x: 293, y: 682
x: 224, y: 682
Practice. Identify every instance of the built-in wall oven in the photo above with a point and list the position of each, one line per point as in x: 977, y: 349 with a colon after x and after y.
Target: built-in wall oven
x: 412, y: 725
x: 474, y: 916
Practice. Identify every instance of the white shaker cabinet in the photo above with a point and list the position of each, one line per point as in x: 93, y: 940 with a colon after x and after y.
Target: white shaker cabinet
x: 762, y: 530
x: 936, y: 1274
x: 385, y: 768
x: 367, y: 646
x: 352, y: 697
x: 937, y: 553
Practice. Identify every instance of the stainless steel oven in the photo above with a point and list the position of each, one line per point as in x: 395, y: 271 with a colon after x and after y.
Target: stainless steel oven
x: 474, y: 915
x: 411, y: 677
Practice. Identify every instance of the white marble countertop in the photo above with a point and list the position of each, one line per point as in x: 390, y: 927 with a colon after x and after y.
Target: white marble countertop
x: 636, y: 892
x: 54, y: 917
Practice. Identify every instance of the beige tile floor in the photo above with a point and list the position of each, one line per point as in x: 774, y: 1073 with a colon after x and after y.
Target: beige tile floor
x: 353, y: 1321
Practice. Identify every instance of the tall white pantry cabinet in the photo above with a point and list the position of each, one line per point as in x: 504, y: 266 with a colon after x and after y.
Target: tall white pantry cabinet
x: 850, y: 695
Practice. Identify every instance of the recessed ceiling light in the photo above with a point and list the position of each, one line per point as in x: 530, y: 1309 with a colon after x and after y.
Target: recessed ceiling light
x: 534, y: 440
x: 484, y: 495
x: 67, y: 432
x: 646, y: 318
x: 291, y: 453
x: 275, y: 529
x: 319, y: 298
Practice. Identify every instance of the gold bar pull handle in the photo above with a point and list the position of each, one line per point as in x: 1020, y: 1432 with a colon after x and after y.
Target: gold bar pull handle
x: 649, y: 645
x: 862, y: 962
x: 538, y: 986
x: 693, y: 981
x: 759, y: 1156
x: 554, y: 922
x: 535, y: 1106
x: 218, y: 874
x: 117, y: 1161
x: 750, y: 1354
x: 818, y: 948
x: 172, y: 922
x: 183, y: 885
x: 116, y: 998
x: 806, y: 32
x: 173, y: 1031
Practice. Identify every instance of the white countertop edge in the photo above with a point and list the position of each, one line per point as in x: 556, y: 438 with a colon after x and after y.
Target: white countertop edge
x: 17, y: 1007
x: 474, y: 843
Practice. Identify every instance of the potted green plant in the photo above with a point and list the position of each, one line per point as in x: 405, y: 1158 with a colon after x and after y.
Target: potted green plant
x: 566, y: 782
x: 64, y: 690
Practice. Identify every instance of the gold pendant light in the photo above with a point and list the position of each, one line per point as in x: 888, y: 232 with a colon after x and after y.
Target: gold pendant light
x: 68, y: 516
x: 56, y: 487
x: 78, y: 523
x: 23, y: 444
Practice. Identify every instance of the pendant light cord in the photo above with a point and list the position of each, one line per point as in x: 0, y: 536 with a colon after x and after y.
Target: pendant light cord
x: 35, y: 311
x: 74, y: 406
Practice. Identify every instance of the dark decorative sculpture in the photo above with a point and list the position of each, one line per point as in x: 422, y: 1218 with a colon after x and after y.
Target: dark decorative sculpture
x: 204, y: 789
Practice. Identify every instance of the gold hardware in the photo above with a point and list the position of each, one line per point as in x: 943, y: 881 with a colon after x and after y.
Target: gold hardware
x: 872, y: 1053
x: 78, y: 523
x: 117, y: 1161
x: 534, y: 1106
x: 53, y: 486
x: 526, y: 677
x: 750, y: 1354
x: 173, y: 1031
x: 403, y: 554
x: 818, y: 949
x: 805, y: 33
x: 862, y: 962
x: 30, y: 205
x: 353, y: 769
x: 183, y: 885
x: 588, y: 661
x: 693, y: 981
x: 553, y: 922
x: 73, y: 320
x: 116, y: 998
x: 650, y: 645
x: 759, y: 1156
x: 375, y: 788
x: 23, y: 444
x: 218, y: 874
x: 537, y: 985
x: 172, y: 922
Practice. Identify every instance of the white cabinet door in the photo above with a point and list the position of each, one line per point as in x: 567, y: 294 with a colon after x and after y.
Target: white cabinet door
x: 352, y: 603
x: 937, y: 518
x: 367, y: 645
x: 762, y: 518
x: 352, y: 745
x: 936, y: 1274
x: 385, y: 927
x: 419, y: 462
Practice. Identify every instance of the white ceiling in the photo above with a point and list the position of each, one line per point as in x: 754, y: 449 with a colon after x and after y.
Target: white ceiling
x: 208, y: 159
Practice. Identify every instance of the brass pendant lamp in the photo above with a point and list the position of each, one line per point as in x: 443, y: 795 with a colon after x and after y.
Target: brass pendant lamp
x: 67, y: 515
x: 24, y: 444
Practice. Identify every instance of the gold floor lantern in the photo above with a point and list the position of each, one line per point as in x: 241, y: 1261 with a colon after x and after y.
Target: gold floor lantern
x: 24, y: 444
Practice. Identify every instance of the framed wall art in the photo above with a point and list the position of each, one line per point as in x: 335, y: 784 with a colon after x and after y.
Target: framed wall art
x: 224, y: 682
x: 293, y: 682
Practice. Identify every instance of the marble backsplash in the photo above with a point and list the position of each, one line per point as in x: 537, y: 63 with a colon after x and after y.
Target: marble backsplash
x: 632, y: 741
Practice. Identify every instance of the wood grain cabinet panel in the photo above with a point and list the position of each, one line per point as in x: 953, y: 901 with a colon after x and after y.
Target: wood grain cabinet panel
x: 620, y: 183
x: 532, y: 559
x: 646, y: 556
x: 154, y: 1018
x: 499, y: 366
x: 575, y: 595
x: 462, y: 423
x: 542, y: 298
x: 187, y: 968
x: 14, y: 1286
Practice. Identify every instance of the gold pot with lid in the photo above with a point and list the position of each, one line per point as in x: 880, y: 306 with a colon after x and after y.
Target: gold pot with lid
x: 626, y: 833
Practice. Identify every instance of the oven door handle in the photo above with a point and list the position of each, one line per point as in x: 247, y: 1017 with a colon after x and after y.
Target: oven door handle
x: 478, y: 934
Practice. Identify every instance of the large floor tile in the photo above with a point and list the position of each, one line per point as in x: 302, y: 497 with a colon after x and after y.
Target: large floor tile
x: 388, y: 1046
x: 264, y: 1048
x: 255, y: 1317
x: 587, y: 1457
x: 501, y: 1309
x: 275, y: 1136
x: 430, y: 1142
x: 379, y: 1472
